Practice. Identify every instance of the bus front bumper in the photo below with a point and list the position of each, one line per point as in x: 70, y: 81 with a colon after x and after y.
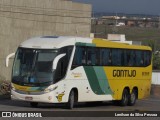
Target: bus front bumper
x: 44, y: 98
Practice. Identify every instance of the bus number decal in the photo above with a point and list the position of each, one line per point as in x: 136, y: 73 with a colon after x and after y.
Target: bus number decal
x: 145, y: 74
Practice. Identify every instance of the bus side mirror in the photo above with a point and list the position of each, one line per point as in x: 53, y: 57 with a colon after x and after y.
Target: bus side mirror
x: 55, y: 61
x: 8, y: 57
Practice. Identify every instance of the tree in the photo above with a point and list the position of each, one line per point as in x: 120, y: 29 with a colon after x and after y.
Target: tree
x: 155, y: 53
x: 156, y: 61
x: 151, y: 43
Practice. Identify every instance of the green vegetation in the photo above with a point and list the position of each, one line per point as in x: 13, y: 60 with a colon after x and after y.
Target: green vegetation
x: 155, y: 52
x: 156, y: 61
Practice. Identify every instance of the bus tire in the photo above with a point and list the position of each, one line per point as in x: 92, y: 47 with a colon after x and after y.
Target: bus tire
x: 34, y: 104
x: 125, y: 96
x: 71, y: 100
x: 132, y: 98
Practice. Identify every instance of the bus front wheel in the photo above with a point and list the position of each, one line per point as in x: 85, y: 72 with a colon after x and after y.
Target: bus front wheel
x: 125, y: 98
x: 71, y: 100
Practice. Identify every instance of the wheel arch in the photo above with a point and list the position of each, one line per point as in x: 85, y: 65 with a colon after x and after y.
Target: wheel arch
x: 75, y: 93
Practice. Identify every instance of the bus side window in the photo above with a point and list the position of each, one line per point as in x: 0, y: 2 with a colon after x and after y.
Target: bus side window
x: 102, y: 57
x: 128, y: 55
x: 132, y: 60
x: 105, y: 57
x: 83, y: 56
x: 134, y: 57
x: 147, y: 58
x: 92, y: 56
x: 140, y: 58
x: 79, y: 57
x: 125, y: 58
x: 116, y: 57
x: 97, y: 56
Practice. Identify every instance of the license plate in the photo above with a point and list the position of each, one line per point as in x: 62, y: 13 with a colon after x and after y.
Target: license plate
x: 28, y: 98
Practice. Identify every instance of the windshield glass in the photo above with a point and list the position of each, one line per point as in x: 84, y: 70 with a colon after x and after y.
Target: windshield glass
x: 33, y: 67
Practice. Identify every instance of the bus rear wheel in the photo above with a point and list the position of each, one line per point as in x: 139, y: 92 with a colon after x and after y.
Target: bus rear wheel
x: 71, y: 100
x: 125, y: 98
x: 34, y: 104
x: 132, y: 98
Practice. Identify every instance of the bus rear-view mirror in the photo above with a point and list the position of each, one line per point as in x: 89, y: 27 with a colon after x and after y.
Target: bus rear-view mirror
x: 8, y: 57
x: 55, y: 61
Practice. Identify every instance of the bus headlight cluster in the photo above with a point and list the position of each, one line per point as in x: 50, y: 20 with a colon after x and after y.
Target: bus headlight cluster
x: 50, y: 89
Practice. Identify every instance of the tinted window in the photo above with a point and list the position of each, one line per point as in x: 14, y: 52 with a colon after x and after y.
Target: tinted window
x: 116, y: 57
x: 129, y: 57
x: 147, y: 58
x: 92, y: 56
x: 139, y: 58
x: 80, y: 56
x: 105, y: 56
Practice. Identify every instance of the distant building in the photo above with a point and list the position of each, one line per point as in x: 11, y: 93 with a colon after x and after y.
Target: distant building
x: 122, y: 38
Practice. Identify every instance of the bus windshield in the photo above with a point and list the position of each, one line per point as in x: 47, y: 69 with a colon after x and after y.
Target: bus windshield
x: 33, y: 67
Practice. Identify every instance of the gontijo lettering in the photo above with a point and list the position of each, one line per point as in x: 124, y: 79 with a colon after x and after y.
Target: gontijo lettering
x: 124, y: 73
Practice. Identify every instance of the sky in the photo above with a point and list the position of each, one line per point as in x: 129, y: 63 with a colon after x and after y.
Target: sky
x: 151, y: 7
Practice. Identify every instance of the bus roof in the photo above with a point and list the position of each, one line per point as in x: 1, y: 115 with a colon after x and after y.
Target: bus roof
x: 55, y: 42
x: 107, y: 43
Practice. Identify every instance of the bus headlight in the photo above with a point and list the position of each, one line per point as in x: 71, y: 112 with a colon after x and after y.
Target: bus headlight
x: 50, y: 89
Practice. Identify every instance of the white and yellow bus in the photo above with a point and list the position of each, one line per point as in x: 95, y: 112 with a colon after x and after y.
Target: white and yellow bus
x: 58, y: 69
